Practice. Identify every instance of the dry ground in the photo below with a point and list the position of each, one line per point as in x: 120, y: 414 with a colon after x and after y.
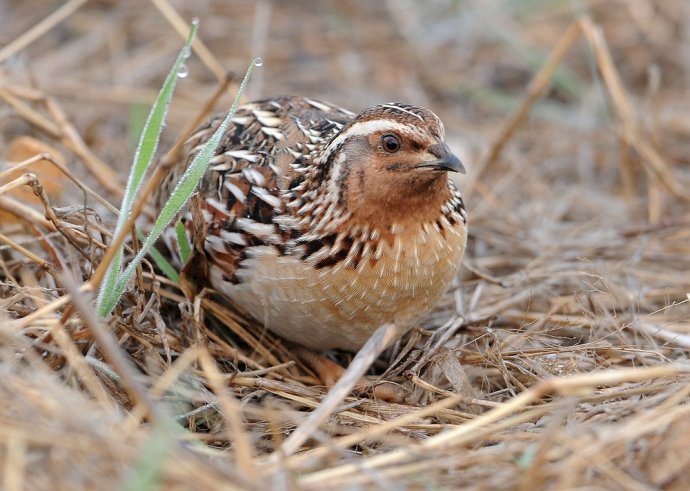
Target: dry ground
x: 558, y: 362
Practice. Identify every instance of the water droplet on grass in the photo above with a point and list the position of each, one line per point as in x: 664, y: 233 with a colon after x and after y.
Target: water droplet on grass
x: 258, y: 62
x: 183, y: 72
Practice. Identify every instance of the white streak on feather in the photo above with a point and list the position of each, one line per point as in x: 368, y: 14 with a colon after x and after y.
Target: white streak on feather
x: 273, y: 132
x: 242, y: 155
x: 261, y: 113
x: 218, y: 206
x: 233, y: 237
x: 379, y: 251
x: 261, y: 230
x: 217, y: 159
x: 240, y: 120
x: 285, y: 221
x: 319, y: 105
x: 403, y: 110
x: 397, y: 228
x: 333, y: 185
x: 215, y: 243
x: 366, y: 250
x: 236, y: 192
x: 223, y: 167
x: 398, y: 247
x: 270, y: 121
x: 415, y: 255
x: 253, y: 176
x: 262, y: 194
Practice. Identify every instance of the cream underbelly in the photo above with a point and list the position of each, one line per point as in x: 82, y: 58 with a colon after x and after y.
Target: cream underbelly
x: 340, y: 307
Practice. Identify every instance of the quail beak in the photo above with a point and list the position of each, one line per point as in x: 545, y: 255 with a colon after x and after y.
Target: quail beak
x: 447, y: 161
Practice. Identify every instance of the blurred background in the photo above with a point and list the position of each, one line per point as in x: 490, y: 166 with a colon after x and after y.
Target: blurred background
x: 469, y: 61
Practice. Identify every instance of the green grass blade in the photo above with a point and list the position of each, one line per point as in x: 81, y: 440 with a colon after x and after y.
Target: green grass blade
x: 182, y: 243
x: 165, y: 266
x: 150, y: 136
x: 138, y: 115
x: 179, y: 197
x: 143, y: 157
x: 148, y: 469
x: 108, y: 283
x: 162, y: 263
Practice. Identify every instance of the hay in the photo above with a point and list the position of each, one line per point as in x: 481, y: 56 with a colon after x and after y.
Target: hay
x: 558, y: 362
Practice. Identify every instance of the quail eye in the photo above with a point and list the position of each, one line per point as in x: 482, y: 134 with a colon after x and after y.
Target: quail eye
x: 391, y: 143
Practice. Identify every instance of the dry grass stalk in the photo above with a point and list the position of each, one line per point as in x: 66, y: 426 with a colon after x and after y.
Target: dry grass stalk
x: 61, y: 129
x: 40, y: 29
x: 653, y: 162
x: 534, y: 91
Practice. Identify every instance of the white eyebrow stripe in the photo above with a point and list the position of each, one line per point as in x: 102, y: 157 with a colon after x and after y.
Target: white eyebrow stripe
x: 403, y: 110
x: 367, y: 127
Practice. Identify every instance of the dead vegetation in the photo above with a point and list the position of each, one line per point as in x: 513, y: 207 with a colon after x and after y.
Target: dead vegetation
x: 558, y: 362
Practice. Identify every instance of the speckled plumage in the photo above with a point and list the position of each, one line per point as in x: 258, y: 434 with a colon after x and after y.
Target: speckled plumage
x: 317, y: 229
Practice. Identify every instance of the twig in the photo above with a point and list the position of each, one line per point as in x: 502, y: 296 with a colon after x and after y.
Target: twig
x: 70, y: 175
x: 67, y: 134
x: 383, y: 336
x: 182, y: 28
x: 465, y: 433
x: 40, y: 29
x: 233, y: 416
x: 28, y: 254
x: 105, y: 175
x: 652, y: 162
x: 108, y: 344
x: 534, y: 91
x: 373, y: 431
x: 28, y: 113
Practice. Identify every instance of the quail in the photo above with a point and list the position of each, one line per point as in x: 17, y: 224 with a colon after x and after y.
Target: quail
x: 323, y: 224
